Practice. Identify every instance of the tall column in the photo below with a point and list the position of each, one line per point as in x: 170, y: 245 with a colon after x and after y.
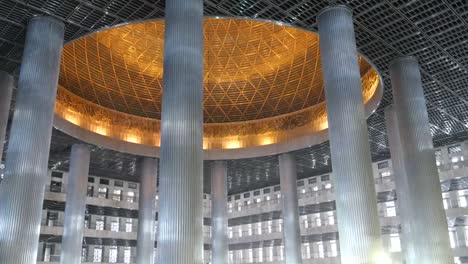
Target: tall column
x: 291, y: 228
x: 77, y: 185
x: 22, y: 190
x: 424, y: 223
x: 6, y: 89
x: 356, y: 202
x: 219, y: 238
x: 180, y: 237
x: 394, y: 143
x: 147, y: 168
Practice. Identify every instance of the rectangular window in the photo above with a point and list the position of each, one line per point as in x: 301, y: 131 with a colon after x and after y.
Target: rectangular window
x: 90, y: 179
x: 382, y: 165
x: 127, y: 255
x: 384, y: 174
x: 446, y: 200
x: 333, y: 248
x: 56, y: 174
x: 130, y: 197
x: 462, y: 202
x: 90, y: 191
x: 102, y: 192
x: 331, y: 218
x: 452, y: 237
x: 117, y: 195
x: 300, y: 183
x: 86, y: 221
x: 132, y: 185
x: 118, y: 183
x: 281, y: 252
x: 246, y: 195
x: 250, y: 255
x: 104, y: 181
x: 267, y: 190
x: 391, y: 211
x: 84, y: 253
x: 237, y: 197
x: 128, y: 225
x: 438, y: 156
x: 321, y: 251
x: 312, y: 180
x: 115, y: 226
x: 97, y: 255
x: 325, y: 178
x: 47, y: 253
x: 113, y: 255
x: 454, y: 149
x: 395, y: 245
x: 256, y: 193
x: 276, y: 188
x: 99, y: 225
x: 466, y: 235
x: 456, y: 159
x: 55, y: 186
x: 306, y: 250
x: 318, y: 220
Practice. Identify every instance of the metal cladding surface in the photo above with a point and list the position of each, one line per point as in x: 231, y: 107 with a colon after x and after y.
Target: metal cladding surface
x: 423, y: 205
x: 180, y: 222
x: 401, y: 178
x: 6, y: 89
x: 148, y: 170
x: 72, y: 240
x: 22, y: 190
x: 291, y: 228
x: 358, y: 221
x: 219, y: 219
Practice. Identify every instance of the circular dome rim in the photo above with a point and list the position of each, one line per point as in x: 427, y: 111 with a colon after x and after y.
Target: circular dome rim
x: 216, y: 154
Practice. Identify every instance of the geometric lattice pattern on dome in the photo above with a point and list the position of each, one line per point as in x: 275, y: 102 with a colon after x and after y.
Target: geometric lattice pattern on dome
x: 253, y: 69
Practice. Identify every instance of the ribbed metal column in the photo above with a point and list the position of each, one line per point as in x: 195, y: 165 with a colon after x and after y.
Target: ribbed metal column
x: 291, y: 229
x: 147, y: 168
x: 399, y: 172
x: 6, y: 90
x: 72, y: 240
x: 22, y: 190
x: 219, y: 239
x: 423, y: 215
x: 180, y: 238
x: 356, y: 202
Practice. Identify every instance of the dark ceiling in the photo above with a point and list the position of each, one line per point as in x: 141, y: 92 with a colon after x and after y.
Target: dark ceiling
x: 435, y: 31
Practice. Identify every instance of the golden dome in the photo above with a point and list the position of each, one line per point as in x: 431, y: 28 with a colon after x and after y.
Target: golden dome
x: 261, y: 80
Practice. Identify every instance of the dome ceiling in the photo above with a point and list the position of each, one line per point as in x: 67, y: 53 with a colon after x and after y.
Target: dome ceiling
x: 253, y: 69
